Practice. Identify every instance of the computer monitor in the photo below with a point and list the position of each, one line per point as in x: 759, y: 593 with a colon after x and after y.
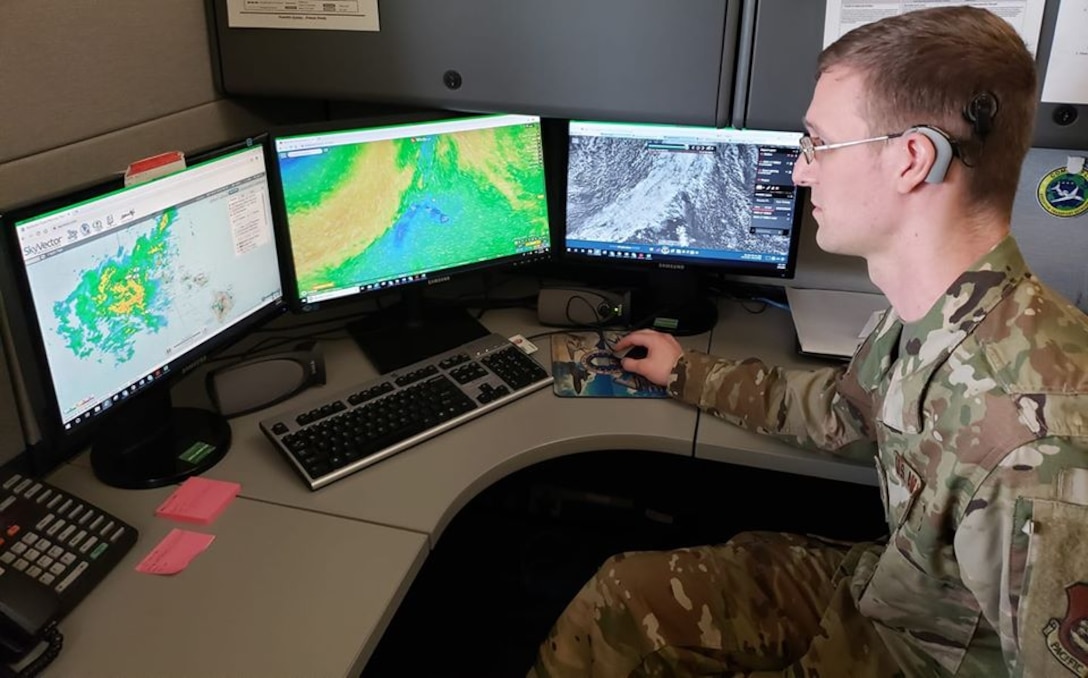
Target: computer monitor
x: 400, y: 205
x: 124, y: 289
x: 676, y: 200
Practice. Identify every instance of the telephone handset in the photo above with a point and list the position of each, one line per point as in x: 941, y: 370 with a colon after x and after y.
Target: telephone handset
x: 25, y: 613
x: 27, y: 619
x: 54, y: 549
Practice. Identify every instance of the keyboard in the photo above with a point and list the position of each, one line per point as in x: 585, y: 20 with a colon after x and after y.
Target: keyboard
x: 376, y: 419
x: 55, y: 541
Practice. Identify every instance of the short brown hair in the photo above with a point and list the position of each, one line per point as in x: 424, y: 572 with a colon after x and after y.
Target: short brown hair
x: 926, y: 66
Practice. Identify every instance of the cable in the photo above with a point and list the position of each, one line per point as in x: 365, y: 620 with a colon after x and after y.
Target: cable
x: 270, y: 343
x: 55, y: 642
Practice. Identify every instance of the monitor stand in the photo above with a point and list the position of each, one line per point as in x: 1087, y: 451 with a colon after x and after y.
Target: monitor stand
x: 413, y: 330
x: 674, y: 302
x: 150, y: 443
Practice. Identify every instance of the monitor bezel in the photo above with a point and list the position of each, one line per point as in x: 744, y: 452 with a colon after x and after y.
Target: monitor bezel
x: 439, y: 276
x: 60, y: 440
x: 696, y: 266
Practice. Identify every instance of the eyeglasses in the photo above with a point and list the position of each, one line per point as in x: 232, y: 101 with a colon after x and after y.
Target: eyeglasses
x: 809, y: 148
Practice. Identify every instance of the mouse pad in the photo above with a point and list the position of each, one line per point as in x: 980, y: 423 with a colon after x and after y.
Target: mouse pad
x: 583, y: 366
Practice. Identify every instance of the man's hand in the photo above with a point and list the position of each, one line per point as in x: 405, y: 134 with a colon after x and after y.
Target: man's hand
x: 662, y: 352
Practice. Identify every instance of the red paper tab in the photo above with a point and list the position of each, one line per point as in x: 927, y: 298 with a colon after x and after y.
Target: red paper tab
x: 155, y: 161
x: 198, y: 500
x: 174, y: 553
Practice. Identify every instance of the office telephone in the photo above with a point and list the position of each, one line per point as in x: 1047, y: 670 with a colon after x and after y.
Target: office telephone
x: 54, y: 549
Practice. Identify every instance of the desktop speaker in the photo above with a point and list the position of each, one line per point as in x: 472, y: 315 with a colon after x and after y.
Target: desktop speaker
x: 255, y: 384
x: 581, y: 306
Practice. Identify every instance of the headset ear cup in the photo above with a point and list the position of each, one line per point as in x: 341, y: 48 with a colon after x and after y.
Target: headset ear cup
x: 943, y: 159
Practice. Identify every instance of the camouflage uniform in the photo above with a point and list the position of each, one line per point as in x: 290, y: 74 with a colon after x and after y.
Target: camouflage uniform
x: 978, y: 418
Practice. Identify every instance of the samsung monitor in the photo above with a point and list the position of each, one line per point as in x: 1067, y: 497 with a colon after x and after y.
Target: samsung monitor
x: 677, y: 200
x: 372, y: 208
x: 123, y: 289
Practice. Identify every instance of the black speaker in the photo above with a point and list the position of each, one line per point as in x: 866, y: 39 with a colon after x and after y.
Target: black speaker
x: 254, y: 384
x: 581, y: 306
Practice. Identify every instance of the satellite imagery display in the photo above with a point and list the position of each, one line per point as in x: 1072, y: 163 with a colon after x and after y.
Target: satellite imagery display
x: 361, y: 213
x: 629, y: 190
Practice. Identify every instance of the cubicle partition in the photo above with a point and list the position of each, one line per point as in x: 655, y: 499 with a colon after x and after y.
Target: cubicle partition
x: 640, y: 60
x: 781, y: 40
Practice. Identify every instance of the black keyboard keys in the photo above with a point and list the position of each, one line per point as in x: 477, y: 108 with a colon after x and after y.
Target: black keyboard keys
x: 381, y: 423
x: 514, y: 367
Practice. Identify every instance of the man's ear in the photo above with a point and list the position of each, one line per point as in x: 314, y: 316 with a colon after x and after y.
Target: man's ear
x: 937, y: 154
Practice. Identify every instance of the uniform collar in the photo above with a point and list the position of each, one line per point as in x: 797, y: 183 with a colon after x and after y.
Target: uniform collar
x: 926, y: 343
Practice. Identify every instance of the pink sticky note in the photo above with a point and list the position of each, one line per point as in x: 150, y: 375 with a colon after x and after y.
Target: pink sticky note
x: 198, y: 500
x: 174, y: 553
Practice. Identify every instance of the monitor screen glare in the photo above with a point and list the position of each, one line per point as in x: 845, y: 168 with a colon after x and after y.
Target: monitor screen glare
x: 134, y: 283
x: 683, y: 195
x: 374, y: 208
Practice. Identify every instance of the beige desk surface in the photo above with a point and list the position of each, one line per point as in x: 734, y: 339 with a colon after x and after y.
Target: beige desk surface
x: 769, y: 336
x: 423, y: 488
x: 280, y: 592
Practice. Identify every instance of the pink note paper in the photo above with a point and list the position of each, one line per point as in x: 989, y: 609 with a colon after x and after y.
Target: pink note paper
x: 174, y: 553
x: 198, y: 500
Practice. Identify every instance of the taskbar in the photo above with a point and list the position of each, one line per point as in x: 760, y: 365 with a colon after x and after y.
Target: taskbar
x: 634, y: 251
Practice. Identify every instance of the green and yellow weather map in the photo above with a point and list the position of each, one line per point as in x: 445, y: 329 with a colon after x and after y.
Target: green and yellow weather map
x: 370, y: 212
x: 120, y: 297
x: 117, y: 304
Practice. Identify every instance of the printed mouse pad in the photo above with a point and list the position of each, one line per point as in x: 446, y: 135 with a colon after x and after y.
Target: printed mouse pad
x: 584, y: 366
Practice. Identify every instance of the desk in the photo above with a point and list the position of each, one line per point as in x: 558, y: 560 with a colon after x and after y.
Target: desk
x: 377, y: 524
x: 280, y: 592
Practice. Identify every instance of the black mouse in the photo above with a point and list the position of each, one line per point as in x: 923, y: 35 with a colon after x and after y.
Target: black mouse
x: 636, y: 352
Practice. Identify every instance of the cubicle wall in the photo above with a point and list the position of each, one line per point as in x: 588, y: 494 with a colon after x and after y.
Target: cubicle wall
x: 85, y: 88
x: 643, y: 60
x: 1053, y: 246
x: 781, y: 40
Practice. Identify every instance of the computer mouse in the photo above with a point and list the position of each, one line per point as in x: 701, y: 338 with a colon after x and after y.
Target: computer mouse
x: 636, y: 353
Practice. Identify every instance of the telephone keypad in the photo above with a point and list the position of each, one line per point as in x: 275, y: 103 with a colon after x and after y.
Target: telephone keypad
x: 56, y: 540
